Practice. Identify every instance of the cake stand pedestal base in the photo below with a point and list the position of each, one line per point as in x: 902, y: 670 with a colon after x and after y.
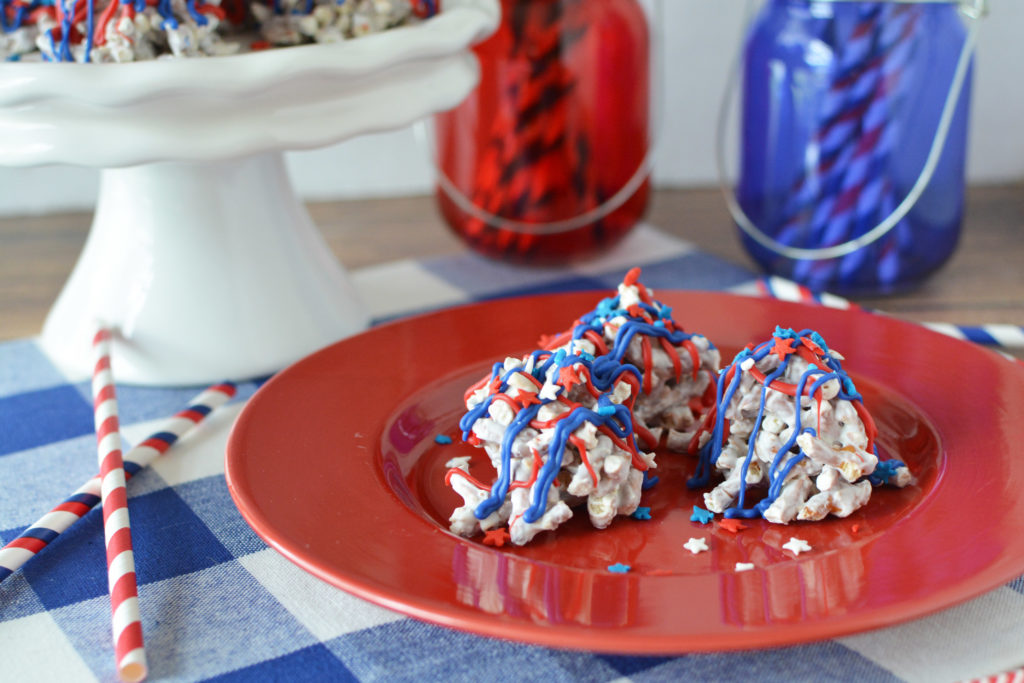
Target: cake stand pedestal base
x: 205, y: 271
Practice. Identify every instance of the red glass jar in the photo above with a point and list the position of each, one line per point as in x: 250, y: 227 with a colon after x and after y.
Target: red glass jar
x: 546, y: 160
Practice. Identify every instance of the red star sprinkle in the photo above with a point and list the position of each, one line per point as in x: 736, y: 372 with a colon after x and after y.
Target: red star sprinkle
x: 567, y: 377
x: 855, y: 528
x: 496, y: 537
x: 526, y: 398
x: 732, y: 525
x: 783, y: 347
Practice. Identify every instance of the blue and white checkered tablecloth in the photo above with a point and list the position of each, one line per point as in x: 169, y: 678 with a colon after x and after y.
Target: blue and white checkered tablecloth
x: 218, y: 604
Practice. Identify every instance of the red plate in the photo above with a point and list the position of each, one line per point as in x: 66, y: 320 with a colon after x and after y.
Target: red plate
x: 333, y: 463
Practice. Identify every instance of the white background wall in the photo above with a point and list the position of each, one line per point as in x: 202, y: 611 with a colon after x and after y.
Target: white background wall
x: 701, y: 37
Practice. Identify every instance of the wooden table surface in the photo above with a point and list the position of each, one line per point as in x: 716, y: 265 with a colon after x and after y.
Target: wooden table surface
x: 982, y: 283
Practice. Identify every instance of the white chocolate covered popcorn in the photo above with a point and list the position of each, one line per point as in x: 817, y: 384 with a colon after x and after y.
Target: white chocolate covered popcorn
x: 557, y: 429
x: 132, y: 31
x: 625, y: 376
x: 789, y: 419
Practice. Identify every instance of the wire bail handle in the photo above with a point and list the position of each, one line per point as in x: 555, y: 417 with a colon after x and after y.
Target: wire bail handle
x: 973, y: 11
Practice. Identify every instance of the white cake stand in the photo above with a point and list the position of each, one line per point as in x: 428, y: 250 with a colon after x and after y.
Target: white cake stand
x: 200, y: 255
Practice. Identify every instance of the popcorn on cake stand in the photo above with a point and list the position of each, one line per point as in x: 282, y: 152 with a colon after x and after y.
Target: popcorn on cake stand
x: 200, y: 254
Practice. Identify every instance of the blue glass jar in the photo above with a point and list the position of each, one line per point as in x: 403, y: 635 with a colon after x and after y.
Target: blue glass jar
x: 842, y: 103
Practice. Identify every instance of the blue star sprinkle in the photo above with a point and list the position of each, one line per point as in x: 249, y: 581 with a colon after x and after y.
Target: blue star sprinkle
x: 701, y: 515
x: 641, y: 513
x: 442, y: 439
x: 619, y: 568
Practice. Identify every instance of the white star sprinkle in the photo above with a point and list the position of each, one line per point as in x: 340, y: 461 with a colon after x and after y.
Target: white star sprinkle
x: 549, y: 392
x: 696, y: 545
x: 796, y: 546
x: 744, y: 566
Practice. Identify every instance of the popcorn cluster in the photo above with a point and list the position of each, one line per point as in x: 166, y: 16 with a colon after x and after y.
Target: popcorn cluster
x: 294, y: 22
x: 789, y: 419
x: 105, y: 31
x: 561, y: 425
x: 557, y: 428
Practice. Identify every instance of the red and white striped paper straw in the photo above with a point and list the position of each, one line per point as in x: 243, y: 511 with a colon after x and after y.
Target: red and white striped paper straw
x: 48, y: 527
x: 1008, y: 677
x: 124, y: 593
x: 780, y: 288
